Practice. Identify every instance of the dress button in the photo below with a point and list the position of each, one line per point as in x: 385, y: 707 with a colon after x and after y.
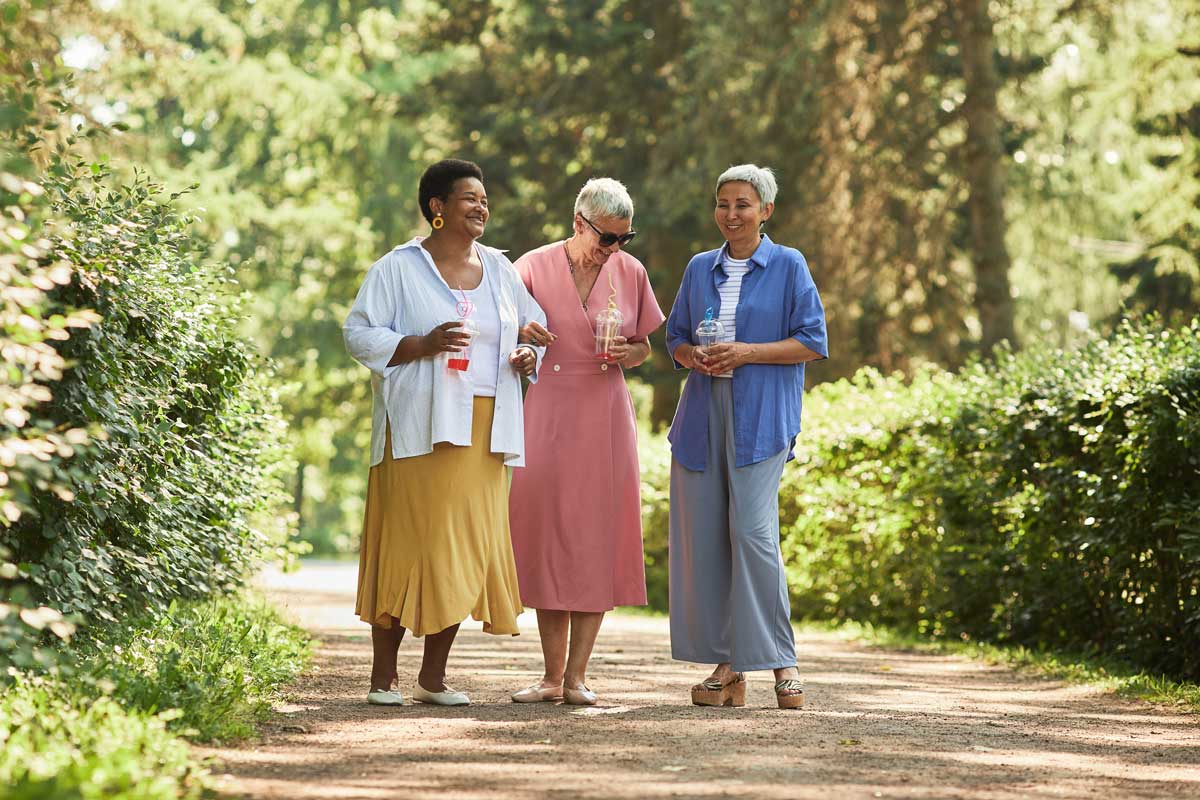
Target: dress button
x: 557, y: 367
x: 604, y: 367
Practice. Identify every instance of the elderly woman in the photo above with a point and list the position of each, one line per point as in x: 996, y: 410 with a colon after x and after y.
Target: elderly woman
x: 576, y: 507
x: 447, y: 419
x: 733, y: 431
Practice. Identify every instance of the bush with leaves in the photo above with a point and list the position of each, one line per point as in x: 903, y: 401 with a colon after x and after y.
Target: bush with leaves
x: 140, y: 454
x: 166, y: 501
x: 1048, y: 498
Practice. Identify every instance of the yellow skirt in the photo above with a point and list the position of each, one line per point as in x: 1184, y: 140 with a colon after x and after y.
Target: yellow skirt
x: 435, y: 542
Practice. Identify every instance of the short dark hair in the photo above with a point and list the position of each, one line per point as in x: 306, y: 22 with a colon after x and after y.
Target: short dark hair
x: 439, y: 179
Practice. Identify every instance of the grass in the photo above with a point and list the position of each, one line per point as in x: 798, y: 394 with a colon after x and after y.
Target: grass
x: 1109, y: 674
x: 220, y: 663
x: 116, y: 719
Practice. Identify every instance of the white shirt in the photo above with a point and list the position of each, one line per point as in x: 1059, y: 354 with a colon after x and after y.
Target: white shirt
x: 402, y: 295
x: 730, y: 292
x: 484, y: 367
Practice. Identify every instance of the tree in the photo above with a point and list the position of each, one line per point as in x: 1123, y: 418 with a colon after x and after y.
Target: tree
x: 983, y: 159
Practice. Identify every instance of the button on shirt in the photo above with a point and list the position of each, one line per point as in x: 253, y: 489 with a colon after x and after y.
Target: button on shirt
x: 777, y: 300
x: 424, y: 401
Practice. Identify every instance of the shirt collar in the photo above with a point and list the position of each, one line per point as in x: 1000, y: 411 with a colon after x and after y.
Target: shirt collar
x: 760, y: 258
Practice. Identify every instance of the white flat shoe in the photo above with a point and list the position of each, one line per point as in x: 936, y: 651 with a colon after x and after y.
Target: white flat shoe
x: 538, y: 694
x: 385, y: 697
x: 449, y: 697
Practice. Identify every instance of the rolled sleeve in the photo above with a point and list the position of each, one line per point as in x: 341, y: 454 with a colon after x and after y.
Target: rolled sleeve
x: 367, y: 332
x: 806, y: 319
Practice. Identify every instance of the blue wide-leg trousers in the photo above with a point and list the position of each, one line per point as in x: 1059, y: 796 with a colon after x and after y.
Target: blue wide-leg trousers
x: 729, y: 600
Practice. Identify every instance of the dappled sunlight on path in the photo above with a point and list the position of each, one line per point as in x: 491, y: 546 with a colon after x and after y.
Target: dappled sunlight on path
x: 877, y: 724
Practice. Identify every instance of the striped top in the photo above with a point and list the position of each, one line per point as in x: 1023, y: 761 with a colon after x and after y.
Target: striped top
x: 730, y: 291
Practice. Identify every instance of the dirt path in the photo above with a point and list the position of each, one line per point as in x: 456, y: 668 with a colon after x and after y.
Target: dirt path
x: 877, y: 724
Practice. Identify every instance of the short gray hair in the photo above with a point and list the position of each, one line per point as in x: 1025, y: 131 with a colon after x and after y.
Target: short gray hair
x: 761, y: 178
x: 604, y: 197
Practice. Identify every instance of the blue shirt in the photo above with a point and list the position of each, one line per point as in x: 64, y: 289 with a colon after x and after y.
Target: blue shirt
x: 778, y: 301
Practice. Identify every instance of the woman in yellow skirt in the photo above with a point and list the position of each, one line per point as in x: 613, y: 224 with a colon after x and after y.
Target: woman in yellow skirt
x: 436, y: 321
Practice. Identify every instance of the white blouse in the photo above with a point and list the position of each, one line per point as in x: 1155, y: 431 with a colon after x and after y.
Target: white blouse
x: 424, y: 401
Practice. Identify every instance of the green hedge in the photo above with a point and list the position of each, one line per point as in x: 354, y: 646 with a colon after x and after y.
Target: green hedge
x: 187, y: 455
x: 1047, y: 499
x: 140, y: 445
x: 115, y: 723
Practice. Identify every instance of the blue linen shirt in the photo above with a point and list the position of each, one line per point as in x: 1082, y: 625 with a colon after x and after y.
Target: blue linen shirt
x: 778, y: 301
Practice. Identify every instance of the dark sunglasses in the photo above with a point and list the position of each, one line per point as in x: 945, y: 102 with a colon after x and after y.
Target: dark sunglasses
x: 609, y: 239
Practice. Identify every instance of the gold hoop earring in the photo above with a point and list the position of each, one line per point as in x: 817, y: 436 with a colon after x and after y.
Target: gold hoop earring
x: 438, y: 222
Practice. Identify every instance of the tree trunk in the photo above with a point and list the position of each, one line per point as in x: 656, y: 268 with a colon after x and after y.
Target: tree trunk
x: 984, y: 162
x: 298, y: 500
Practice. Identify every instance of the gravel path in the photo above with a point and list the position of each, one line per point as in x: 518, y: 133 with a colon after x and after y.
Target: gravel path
x: 877, y: 724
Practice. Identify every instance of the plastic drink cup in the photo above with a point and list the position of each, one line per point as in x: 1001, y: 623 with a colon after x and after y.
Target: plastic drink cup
x: 709, y: 331
x: 608, y: 327
x: 461, y: 360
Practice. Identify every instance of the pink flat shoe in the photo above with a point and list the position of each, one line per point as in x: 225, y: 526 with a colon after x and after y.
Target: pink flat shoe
x: 538, y: 694
x: 581, y: 696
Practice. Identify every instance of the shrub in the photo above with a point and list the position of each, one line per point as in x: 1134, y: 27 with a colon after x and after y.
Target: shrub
x: 1051, y: 499
x: 220, y: 662
x: 1048, y: 499
x: 166, y: 500
x: 54, y: 743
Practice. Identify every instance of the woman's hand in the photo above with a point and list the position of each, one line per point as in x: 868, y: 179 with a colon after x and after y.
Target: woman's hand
x: 619, y: 349
x: 534, y: 333
x: 444, y: 339
x: 523, y: 360
x: 628, y: 354
x: 723, y: 357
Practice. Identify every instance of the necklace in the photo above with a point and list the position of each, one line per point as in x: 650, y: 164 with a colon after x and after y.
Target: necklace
x: 571, y: 266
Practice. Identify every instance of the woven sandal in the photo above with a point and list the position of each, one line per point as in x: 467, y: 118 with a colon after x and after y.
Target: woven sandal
x: 795, y: 693
x: 712, y: 692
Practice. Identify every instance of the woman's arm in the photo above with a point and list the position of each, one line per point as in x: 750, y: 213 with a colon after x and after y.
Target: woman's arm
x: 442, y: 339
x: 629, y: 354
x: 726, y: 356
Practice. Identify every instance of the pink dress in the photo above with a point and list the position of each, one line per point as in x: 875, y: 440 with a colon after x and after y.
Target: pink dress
x: 575, y: 507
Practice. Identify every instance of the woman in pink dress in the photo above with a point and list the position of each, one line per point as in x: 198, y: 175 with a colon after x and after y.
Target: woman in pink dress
x: 575, y: 509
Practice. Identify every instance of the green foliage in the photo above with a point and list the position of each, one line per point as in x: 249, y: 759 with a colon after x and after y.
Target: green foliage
x: 1049, y: 499
x: 113, y: 724
x: 165, y: 503
x: 1052, y: 499
x: 139, y: 442
x: 220, y: 663
x: 55, y: 743
x: 35, y: 450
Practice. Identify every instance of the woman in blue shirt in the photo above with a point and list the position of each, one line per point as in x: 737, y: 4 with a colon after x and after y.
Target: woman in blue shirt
x: 733, y: 431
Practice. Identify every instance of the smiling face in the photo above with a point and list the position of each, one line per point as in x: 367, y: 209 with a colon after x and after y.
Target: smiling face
x: 465, y: 209
x: 739, y: 214
x: 595, y: 254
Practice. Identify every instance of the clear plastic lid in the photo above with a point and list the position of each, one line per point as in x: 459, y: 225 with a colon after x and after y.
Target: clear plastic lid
x: 710, y: 330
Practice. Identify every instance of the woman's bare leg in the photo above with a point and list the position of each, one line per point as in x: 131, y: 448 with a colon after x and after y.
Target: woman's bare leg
x: 385, y: 645
x: 433, y: 665
x: 585, y: 627
x: 552, y: 629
